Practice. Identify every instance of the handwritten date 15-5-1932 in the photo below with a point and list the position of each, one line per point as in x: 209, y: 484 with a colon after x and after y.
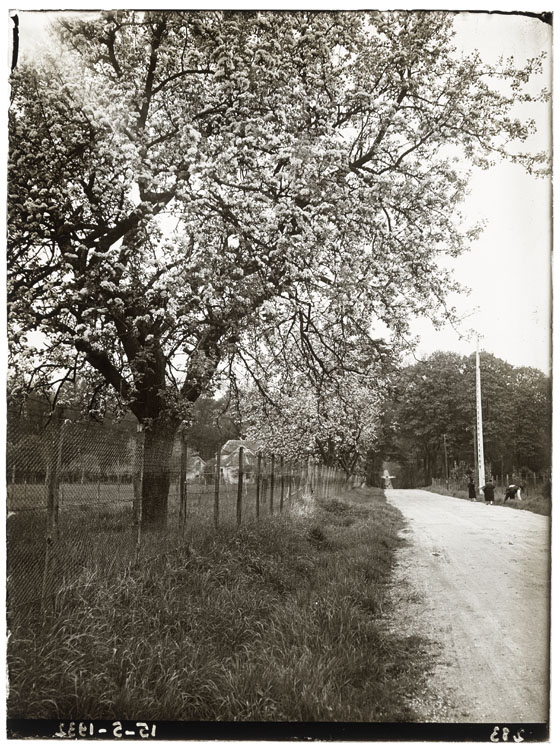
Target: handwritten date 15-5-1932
x: 114, y: 730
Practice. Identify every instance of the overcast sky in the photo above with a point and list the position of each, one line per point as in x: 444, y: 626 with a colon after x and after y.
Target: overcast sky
x: 508, y: 269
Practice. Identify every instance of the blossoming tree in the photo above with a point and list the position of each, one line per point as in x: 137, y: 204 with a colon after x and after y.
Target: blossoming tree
x: 175, y: 175
x: 316, y: 384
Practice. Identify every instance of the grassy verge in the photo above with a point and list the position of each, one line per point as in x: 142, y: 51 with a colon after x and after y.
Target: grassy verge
x: 535, y: 503
x: 280, y: 621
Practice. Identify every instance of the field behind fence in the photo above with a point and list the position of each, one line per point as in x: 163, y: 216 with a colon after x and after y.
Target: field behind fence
x: 74, y: 498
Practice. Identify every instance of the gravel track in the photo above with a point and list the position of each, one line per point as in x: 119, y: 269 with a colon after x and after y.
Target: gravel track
x: 474, y: 579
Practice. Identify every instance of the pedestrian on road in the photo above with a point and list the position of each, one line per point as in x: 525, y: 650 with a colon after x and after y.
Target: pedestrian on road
x: 488, y: 490
x: 512, y: 491
x: 472, y: 489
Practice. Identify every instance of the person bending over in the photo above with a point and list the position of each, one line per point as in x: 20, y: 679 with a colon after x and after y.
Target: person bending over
x: 512, y: 491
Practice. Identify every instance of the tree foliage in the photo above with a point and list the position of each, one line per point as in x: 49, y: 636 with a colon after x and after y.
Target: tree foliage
x: 437, y: 397
x: 318, y: 390
x: 213, y: 423
x: 178, y: 180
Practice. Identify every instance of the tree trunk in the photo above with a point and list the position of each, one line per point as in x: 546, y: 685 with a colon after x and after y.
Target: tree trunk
x: 156, y: 475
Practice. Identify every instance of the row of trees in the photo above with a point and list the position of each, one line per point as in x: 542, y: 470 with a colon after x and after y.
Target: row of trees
x: 98, y: 445
x: 418, y: 416
x: 435, y: 401
x: 209, y: 195
x: 87, y: 447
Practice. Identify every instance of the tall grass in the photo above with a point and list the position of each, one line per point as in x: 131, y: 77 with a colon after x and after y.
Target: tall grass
x: 280, y: 621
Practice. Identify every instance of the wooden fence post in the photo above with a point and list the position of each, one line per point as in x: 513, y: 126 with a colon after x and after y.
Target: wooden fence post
x: 281, y: 484
x: 240, y: 487
x: 289, y: 495
x: 183, y: 480
x: 53, y: 498
x: 53, y: 491
x: 118, y: 481
x: 217, y: 489
x: 264, y: 482
x: 258, y: 487
x: 137, y: 475
x: 272, y: 484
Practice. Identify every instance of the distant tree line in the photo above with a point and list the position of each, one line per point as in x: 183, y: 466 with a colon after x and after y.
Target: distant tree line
x: 436, y: 397
x: 97, y: 443
x: 90, y: 448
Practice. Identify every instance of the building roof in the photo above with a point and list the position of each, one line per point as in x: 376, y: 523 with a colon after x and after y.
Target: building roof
x: 234, y: 446
x: 232, y: 460
x: 195, y: 462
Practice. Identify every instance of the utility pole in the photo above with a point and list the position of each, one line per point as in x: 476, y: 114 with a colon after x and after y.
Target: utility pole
x: 481, y: 477
x: 445, y: 456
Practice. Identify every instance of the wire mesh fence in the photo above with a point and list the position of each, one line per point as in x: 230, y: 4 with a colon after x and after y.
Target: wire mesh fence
x: 69, y: 501
x: 74, y: 497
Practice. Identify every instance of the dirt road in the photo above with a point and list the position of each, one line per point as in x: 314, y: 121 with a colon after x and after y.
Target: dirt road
x: 474, y: 580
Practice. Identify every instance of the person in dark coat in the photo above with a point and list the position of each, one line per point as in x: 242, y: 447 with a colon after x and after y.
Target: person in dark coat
x: 488, y: 490
x: 472, y: 489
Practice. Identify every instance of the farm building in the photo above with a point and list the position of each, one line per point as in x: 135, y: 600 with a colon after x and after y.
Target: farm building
x: 196, y: 467
x: 229, y: 461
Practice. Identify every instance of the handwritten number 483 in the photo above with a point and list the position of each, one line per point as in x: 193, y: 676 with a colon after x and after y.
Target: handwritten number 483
x: 495, y: 736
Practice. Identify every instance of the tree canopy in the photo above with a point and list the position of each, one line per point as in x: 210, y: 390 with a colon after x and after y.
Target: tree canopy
x: 180, y: 180
x: 437, y: 397
x: 318, y: 391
